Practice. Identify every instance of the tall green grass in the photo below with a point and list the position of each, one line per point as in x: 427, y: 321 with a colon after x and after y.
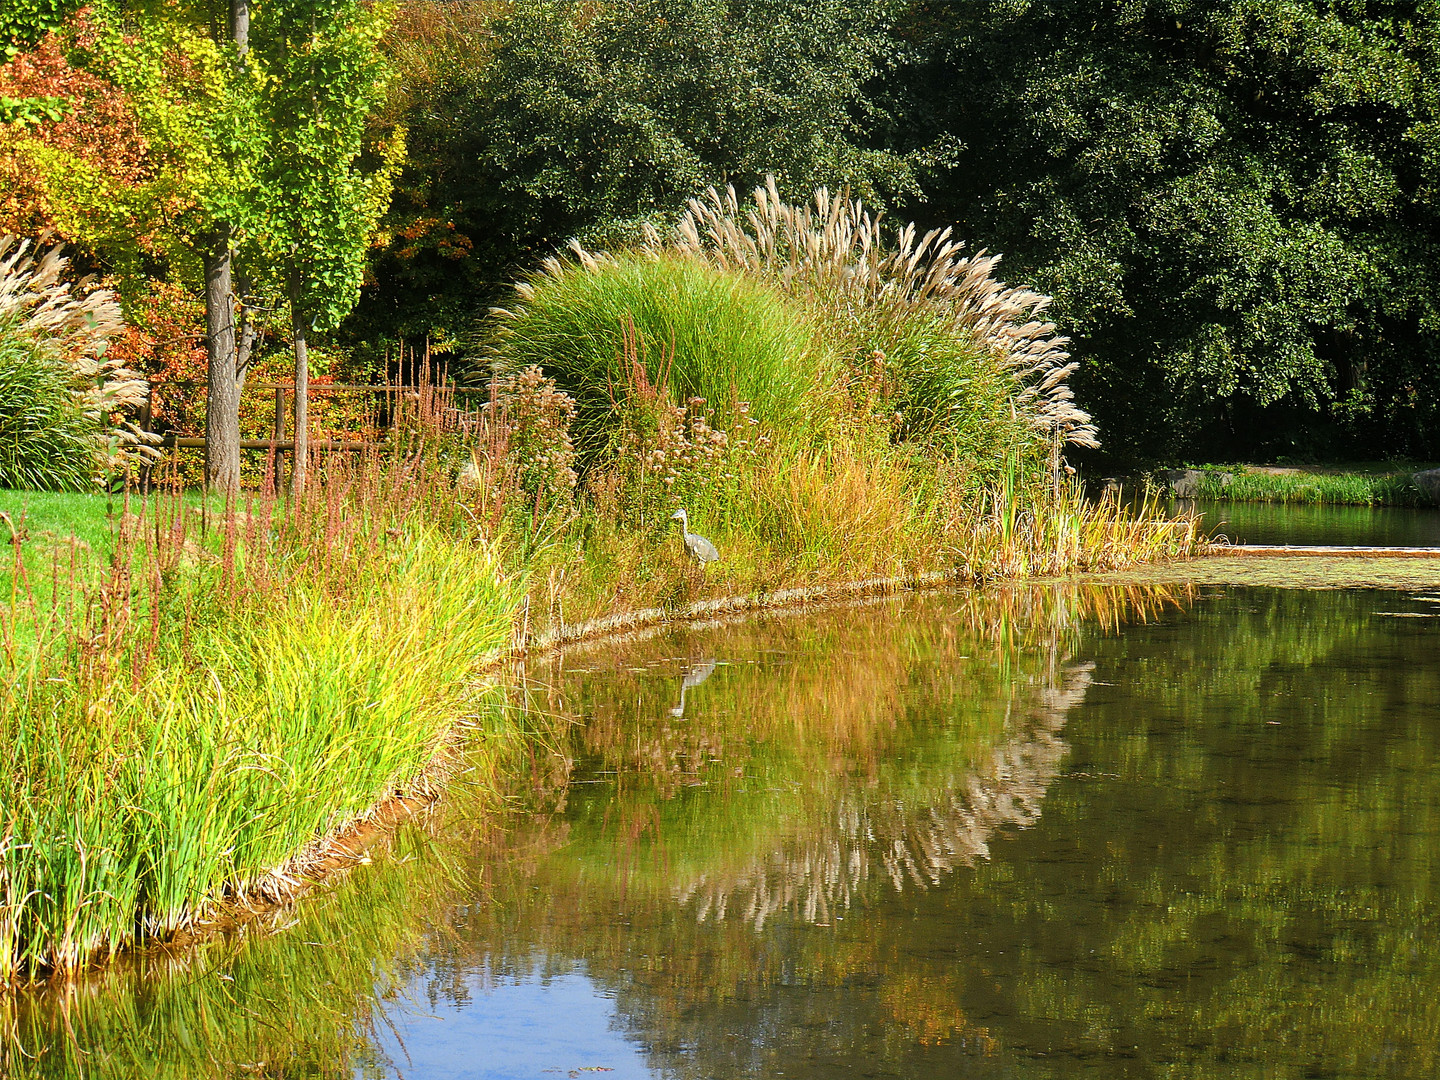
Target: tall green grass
x: 696, y: 330
x: 1335, y: 489
x: 46, y: 438
x: 59, y: 396
x: 948, y: 394
x: 223, y: 703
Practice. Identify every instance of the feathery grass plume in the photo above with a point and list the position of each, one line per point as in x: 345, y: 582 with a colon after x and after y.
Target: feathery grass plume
x: 61, y: 402
x: 835, y: 251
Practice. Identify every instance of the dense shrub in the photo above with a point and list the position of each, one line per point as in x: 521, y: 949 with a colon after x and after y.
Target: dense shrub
x: 61, y: 401
x: 697, y: 331
x: 1234, y: 205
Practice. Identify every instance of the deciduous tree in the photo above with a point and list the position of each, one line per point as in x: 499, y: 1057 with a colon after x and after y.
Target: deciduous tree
x: 323, y: 196
x: 539, y: 120
x: 1234, y: 204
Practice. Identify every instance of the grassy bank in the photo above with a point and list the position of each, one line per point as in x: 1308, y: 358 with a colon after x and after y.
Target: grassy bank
x: 180, y: 738
x: 195, y: 696
x: 1379, y: 484
x: 215, y: 705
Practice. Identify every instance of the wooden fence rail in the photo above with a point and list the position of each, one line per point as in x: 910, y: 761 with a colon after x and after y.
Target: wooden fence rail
x: 278, y: 442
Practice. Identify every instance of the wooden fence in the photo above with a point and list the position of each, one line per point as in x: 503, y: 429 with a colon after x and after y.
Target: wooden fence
x: 278, y: 442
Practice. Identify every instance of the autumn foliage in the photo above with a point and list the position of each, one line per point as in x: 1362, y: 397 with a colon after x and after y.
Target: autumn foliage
x: 73, y: 171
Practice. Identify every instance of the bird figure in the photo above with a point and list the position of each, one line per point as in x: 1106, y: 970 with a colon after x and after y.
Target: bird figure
x: 695, y: 674
x: 698, y: 546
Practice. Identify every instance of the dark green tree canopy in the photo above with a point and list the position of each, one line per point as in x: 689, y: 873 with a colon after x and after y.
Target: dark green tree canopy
x: 584, y: 119
x: 1234, y: 203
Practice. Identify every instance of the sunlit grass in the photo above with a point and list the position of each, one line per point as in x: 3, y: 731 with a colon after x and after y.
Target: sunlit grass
x: 823, y: 517
x: 1335, y: 489
x: 185, y: 712
x: 206, y: 714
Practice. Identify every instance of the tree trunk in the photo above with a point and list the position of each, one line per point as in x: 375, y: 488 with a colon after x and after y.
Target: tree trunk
x: 222, y: 409
x: 301, y: 458
x: 224, y: 368
x: 240, y: 25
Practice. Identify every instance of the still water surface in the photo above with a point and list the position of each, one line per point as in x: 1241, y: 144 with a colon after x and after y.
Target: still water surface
x: 1103, y: 831
x: 1274, y: 523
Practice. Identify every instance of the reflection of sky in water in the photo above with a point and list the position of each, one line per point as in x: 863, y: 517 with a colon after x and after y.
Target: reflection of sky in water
x: 507, y: 1030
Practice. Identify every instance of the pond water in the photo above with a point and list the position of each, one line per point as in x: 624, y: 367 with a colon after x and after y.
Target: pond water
x: 1103, y: 830
x: 1274, y: 523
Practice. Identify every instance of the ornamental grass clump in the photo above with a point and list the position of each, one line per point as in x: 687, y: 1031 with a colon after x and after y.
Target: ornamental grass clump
x: 957, y: 342
x: 830, y: 399
x: 224, y: 701
x: 699, y: 331
x: 62, y: 404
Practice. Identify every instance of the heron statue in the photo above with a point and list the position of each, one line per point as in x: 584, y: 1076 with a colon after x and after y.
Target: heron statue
x: 698, y: 546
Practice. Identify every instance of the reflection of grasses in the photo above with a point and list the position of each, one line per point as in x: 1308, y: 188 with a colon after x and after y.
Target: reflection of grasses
x: 864, y: 717
x: 1251, y: 894
x: 911, y: 834
x: 773, y: 740
x: 266, y: 1002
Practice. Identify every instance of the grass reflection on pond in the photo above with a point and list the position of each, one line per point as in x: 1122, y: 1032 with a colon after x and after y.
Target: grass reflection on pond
x: 826, y: 763
x: 293, y: 994
x: 1233, y: 875
x: 870, y: 836
x: 813, y: 732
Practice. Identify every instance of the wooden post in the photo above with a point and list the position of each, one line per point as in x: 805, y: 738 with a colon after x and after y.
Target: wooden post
x: 279, y: 438
x: 300, y: 459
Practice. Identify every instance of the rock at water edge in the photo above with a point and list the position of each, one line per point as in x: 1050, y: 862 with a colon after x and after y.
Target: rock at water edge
x: 1428, y: 482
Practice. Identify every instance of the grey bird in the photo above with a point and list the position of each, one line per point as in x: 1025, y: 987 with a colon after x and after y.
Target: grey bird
x: 698, y: 546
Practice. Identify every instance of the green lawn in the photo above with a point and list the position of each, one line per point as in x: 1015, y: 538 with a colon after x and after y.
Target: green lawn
x: 48, y: 522
x: 51, y: 524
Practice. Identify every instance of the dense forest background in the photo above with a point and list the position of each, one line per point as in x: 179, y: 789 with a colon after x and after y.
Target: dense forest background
x: 1236, y: 204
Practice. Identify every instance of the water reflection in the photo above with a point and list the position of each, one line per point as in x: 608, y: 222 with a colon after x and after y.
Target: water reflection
x: 695, y: 674
x: 907, y: 841
x: 299, y: 993
x: 1042, y: 834
x: 1275, y: 523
